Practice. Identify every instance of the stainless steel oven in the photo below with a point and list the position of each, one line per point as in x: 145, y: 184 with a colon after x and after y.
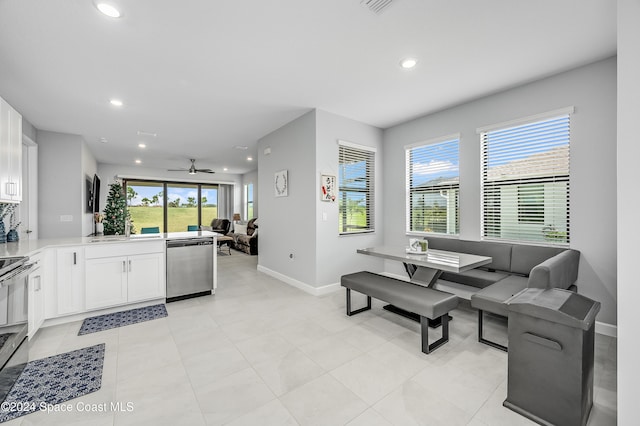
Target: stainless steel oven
x: 13, y: 320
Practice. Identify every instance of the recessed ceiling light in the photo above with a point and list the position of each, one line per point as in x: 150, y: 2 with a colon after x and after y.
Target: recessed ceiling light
x: 225, y: 169
x: 408, y: 63
x: 138, y: 161
x: 242, y: 147
x: 103, y: 140
x: 116, y: 102
x: 109, y: 10
x: 249, y: 158
x: 142, y: 145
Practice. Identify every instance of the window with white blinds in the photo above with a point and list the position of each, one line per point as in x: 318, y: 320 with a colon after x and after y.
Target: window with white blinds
x: 356, y: 200
x: 433, y: 187
x: 525, y: 181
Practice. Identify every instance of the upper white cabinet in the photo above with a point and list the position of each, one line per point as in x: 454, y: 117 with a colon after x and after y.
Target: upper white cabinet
x: 10, y: 154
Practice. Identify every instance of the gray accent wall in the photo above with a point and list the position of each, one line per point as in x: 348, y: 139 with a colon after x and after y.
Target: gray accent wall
x: 64, y: 162
x: 592, y: 91
x: 299, y: 238
x: 287, y: 224
x: 336, y: 255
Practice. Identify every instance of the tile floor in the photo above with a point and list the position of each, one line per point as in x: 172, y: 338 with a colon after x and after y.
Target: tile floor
x: 260, y: 352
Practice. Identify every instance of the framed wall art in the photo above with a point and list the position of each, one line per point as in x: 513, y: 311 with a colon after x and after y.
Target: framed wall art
x: 281, y: 183
x: 328, y: 188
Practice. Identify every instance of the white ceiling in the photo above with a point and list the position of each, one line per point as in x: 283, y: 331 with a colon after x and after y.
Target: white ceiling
x: 207, y: 75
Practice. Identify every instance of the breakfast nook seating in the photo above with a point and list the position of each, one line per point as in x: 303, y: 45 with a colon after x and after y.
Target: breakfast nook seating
x: 426, y: 302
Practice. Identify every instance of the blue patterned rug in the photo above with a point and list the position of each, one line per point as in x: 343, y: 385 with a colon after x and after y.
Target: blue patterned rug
x: 120, y: 319
x: 54, y: 380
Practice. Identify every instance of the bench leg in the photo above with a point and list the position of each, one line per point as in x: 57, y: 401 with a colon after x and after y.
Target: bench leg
x: 357, y: 311
x: 424, y: 330
x: 482, y: 339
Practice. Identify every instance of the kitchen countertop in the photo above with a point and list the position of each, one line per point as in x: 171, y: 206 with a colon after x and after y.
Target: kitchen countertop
x: 31, y: 247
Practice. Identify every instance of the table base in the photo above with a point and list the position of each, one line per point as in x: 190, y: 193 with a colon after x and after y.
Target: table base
x: 433, y: 323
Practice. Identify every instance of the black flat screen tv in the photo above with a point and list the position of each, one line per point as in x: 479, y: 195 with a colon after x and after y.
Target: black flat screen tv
x: 95, y: 193
x: 89, y: 191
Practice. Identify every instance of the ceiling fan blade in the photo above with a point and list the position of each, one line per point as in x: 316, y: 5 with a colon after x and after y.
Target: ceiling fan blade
x: 205, y: 170
x: 177, y: 170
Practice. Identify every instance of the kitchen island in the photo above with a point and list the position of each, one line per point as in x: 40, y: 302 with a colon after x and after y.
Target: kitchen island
x: 80, y: 277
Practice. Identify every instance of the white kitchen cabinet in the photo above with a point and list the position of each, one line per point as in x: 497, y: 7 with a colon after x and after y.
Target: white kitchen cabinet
x: 106, y: 283
x: 70, y: 285
x: 36, y: 295
x: 10, y: 154
x: 116, y: 274
x: 146, y: 279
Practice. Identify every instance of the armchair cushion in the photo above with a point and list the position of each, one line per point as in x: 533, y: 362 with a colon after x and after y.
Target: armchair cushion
x: 220, y: 226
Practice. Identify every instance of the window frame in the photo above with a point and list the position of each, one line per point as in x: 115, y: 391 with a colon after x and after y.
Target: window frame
x: 368, y: 154
x: 163, y: 184
x: 552, y: 192
x: 434, y: 142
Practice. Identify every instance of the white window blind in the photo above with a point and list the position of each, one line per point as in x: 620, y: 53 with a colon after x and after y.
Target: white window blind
x: 525, y: 181
x: 356, y: 200
x: 433, y: 187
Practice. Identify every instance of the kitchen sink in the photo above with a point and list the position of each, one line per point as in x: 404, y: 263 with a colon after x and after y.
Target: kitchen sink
x: 108, y: 239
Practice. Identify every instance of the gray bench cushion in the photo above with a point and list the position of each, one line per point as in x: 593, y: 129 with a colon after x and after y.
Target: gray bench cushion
x: 474, y: 277
x: 500, y: 253
x: 491, y: 299
x: 448, y: 244
x: 423, y: 301
x: 524, y: 258
x: 560, y: 271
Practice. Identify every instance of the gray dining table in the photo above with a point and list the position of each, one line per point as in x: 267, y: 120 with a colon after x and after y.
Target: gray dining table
x: 425, y: 268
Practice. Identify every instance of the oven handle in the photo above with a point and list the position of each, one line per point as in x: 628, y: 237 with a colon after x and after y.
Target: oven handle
x: 18, y: 271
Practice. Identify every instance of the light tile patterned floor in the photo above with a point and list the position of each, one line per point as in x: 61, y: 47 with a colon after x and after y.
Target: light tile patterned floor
x: 262, y: 352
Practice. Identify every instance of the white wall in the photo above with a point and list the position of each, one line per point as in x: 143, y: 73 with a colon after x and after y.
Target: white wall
x: 628, y: 207
x: 592, y: 90
x: 336, y: 255
x: 63, y: 162
x: 287, y: 224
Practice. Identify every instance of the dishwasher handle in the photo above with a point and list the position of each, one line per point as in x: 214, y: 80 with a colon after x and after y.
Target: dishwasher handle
x: 189, y: 243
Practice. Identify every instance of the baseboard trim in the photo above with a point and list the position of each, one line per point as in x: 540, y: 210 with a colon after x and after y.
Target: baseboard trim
x: 606, y: 329
x: 307, y: 288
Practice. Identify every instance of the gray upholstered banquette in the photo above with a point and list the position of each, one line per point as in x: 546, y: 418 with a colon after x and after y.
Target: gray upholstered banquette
x: 514, y: 267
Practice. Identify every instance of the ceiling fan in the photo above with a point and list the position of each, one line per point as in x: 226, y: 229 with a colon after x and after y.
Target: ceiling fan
x: 192, y: 170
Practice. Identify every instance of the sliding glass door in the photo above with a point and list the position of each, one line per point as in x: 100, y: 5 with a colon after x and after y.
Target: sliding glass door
x: 182, y: 206
x: 171, y: 206
x: 209, y: 203
x: 145, y: 201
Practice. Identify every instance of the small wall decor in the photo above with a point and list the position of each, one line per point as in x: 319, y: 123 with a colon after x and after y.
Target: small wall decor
x: 328, y: 188
x: 281, y: 183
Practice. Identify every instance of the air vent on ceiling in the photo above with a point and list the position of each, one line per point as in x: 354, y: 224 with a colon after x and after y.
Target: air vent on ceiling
x: 376, y: 6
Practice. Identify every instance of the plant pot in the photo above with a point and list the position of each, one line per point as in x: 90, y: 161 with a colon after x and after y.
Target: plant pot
x: 99, y: 228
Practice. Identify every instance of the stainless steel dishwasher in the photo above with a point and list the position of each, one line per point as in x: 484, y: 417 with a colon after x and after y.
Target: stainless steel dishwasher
x: 189, y: 268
